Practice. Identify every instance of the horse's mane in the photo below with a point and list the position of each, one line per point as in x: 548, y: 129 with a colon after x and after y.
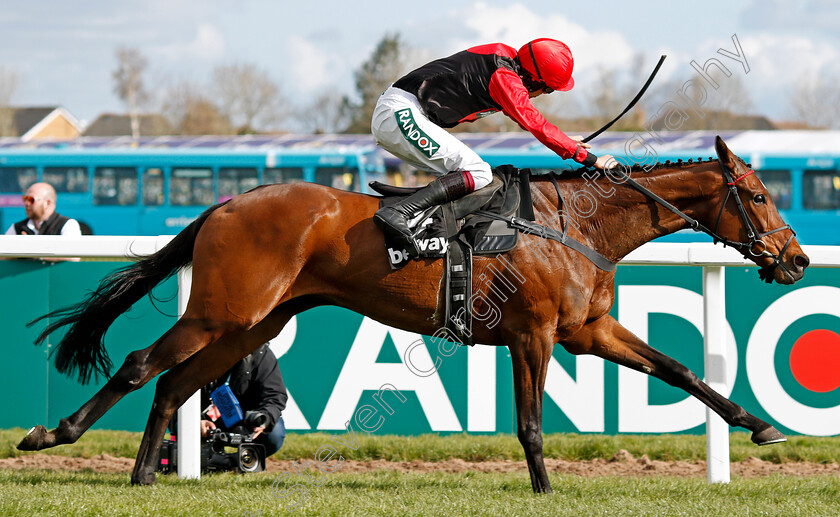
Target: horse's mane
x: 636, y: 168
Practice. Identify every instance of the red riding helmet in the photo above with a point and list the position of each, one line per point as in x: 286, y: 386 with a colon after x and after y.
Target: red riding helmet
x: 548, y: 61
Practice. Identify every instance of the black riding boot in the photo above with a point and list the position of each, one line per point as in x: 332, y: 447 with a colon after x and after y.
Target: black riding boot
x: 394, y: 218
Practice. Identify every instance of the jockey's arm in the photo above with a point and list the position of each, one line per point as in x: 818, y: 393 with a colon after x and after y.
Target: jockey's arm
x: 507, y: 90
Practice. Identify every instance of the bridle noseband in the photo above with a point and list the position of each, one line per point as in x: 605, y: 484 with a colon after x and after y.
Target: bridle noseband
x: 755, y: 237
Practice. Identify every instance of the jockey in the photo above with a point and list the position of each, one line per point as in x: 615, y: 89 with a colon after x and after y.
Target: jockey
x: 409, y: 117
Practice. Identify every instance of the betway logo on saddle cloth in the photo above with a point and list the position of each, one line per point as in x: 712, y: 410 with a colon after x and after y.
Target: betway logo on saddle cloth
x: 430, y: 242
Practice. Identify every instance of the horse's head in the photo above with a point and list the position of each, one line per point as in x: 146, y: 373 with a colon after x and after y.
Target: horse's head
x: 749, y: 221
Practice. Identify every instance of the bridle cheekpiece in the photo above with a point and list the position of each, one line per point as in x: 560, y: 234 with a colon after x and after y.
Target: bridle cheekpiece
x: 755, y: 237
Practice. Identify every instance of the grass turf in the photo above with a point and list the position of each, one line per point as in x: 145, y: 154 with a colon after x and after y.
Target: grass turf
x: 41, y: 492
x: 389, y: 493
x: 432, y: 447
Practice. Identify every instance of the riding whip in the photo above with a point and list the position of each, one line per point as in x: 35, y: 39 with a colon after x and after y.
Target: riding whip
x: 632, y: 103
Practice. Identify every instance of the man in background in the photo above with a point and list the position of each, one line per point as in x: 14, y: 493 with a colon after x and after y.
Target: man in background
x: 41, y: 217
x: 257, y: 384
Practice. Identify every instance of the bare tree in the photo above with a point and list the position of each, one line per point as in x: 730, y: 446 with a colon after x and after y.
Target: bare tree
x: 176, y: 99
x: 8, y: 85
x: 192, y: 113
x: 128, y: 83
x: 693, y: 104
x: 202, y: 117
x: 381, y: 69
x: 247, y: 96
x: 328, y: 113
x: 611, y: 92
x: 816, y: 101
x: 564, y: 110
x: 731, y: 97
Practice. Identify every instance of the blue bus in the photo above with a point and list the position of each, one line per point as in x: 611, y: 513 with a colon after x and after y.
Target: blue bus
x: 157, y: 187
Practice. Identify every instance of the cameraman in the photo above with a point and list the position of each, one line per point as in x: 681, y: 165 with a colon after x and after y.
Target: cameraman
x: 258, y: 385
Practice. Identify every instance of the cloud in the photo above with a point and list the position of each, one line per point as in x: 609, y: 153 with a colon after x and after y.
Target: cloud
x: 780, y: 63
x: 309, y: 65
x: 783, y: 57
x: 516, y: 24
x: 783, y: 15
x: 777, y: 63
x: 207, y: 45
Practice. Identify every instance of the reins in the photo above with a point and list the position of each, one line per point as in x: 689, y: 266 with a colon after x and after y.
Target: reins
x: 755, y: 237
x: 753, y: 234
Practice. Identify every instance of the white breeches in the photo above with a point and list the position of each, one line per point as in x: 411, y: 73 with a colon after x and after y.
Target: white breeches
x: 400, y: 127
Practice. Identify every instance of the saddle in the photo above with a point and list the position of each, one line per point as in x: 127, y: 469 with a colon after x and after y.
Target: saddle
x: 472, y: 225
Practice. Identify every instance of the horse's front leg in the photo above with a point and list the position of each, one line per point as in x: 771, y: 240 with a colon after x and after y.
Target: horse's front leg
x: 530, y: 358
x: 606, y: 338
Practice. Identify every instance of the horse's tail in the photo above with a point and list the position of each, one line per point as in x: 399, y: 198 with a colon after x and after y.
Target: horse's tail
x: 82, y: 348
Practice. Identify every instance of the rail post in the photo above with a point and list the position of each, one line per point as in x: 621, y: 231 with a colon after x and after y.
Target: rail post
x: 714, y: 362
x: 189, y: 414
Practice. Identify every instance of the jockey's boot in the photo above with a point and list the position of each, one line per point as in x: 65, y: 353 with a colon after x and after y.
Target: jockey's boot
x: 394, y: 218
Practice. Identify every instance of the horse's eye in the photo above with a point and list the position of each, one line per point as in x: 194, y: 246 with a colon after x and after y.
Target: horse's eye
x: 759, y: 199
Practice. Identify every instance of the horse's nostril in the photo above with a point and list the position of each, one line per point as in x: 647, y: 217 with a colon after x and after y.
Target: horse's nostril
x: 801, y: 261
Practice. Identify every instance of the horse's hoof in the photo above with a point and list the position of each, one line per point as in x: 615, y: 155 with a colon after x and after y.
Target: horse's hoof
x: 143, y: 479
x: 767, y: 436
x: 34, y: 439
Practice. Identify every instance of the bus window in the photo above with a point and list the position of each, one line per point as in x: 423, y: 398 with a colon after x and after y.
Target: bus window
x: 341, y: 178
x: 283, y: 175
x: 17, y: 179
x: 115, y: 186
x: 233, y: 182
x: 153, y: 187
x: 67, y: 179
x: 778, y: 185
x: 190, y: 187
x: 821, y: 190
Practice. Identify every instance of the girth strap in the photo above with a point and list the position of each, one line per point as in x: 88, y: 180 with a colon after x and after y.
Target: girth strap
x: 545, y: 232
x: 457, y: 281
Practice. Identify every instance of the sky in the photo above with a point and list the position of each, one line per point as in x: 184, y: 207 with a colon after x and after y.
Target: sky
x: 64, y: 52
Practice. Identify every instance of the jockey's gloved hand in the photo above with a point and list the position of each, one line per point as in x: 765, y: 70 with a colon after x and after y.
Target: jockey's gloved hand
x: 254, y: 419
x: 605, y: 162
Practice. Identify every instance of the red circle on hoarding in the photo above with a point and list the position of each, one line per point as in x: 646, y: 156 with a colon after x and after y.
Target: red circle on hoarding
x: 815, y: 360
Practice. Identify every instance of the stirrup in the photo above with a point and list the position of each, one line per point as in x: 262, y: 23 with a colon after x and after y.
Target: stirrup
x: 406, y: 239
x: 410, y: 246
x: 408, y: 243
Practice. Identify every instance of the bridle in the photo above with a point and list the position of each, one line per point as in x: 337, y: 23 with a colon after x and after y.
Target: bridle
x: 753, y: 234
x: 755, y: 237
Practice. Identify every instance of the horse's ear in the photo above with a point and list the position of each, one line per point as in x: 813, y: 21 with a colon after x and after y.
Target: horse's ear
x: 724, y: 154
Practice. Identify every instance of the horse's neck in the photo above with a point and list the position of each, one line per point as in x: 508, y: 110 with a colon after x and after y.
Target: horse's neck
x: 624, y: 219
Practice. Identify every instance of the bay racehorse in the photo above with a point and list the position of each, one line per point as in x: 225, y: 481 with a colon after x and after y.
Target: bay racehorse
x: 278, y: 250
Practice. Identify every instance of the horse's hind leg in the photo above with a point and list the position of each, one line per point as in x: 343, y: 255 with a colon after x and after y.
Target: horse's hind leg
x: 606, y: 338
x: 180, y: 342
x: 176, y: 385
